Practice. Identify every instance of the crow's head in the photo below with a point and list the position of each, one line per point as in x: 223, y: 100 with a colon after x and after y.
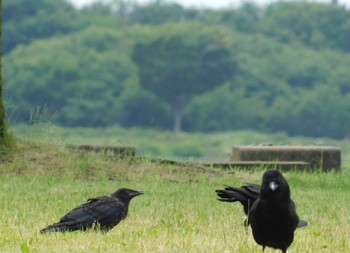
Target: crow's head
x: 274, y: 186
x: 126, y: 194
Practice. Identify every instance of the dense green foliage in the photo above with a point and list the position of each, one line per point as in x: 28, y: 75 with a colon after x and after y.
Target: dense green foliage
x: 81, y: 82
x: 26, y: 21
x: 286, y: 67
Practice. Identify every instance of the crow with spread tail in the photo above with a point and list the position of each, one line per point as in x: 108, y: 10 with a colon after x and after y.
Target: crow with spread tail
x: 103, y: 212
x: 270, y: 210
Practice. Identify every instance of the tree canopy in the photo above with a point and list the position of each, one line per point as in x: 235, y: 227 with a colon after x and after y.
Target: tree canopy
x: 183, y: 60
x: 81, y: 79
x: 281, y: 67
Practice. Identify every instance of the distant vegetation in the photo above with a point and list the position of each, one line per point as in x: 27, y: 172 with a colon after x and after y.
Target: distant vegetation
x: 286, y: 66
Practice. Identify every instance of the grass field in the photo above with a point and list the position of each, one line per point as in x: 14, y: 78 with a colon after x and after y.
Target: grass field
x: 170, y: 217
x: 41, y: 181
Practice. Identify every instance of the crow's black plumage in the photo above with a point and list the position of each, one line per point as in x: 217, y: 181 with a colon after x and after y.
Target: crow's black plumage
x: 246, y: 195
x: 271, y: 212
x: 103, y: 212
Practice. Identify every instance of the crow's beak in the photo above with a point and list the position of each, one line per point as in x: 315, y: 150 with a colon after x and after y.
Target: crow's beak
x: 137, y: 193
x: 273, y: 185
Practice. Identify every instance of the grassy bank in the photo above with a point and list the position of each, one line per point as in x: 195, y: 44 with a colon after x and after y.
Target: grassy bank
x: 215, y: 146
x: 179, y: 212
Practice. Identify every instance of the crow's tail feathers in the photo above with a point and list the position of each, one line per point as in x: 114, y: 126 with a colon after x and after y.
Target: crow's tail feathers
x: 246, y: 195
x: 62, y: 227
x: 54, y: 228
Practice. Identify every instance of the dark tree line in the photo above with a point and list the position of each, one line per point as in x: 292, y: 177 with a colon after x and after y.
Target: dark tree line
x: 283, y: 67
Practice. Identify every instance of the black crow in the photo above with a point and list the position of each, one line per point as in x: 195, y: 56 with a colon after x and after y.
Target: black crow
x: 103, y: 212
x: 271, y: 212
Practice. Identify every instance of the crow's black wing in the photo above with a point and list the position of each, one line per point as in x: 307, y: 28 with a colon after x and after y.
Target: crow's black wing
x: 298, y: 223
x: 105, y: 212
x: 246, y: 195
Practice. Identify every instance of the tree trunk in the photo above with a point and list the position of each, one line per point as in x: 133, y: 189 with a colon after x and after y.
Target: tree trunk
x: 2, y: 114
x: 177, y: 119
x: 3, y: 126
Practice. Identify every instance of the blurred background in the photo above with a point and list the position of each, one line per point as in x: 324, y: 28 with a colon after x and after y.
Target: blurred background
x: 183, y: 66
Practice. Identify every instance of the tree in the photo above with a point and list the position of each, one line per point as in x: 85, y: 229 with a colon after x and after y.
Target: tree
x: 87, y: 75
x: 245, y: 19
x: 312, y: 113
x: 225, y: 109
x: 160, y: 12
x: 314, y: 24
x: 181, y: 60
x: 5, y: 138
x: 25, y: 21
x: 3, y: 127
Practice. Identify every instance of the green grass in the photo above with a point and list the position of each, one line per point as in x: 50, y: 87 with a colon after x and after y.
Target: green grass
x: 41, y: 181
x: 172, y: 216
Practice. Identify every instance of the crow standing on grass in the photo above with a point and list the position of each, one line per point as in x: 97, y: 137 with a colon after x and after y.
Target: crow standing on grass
x: 271, y: 212
x: 103, y: 212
